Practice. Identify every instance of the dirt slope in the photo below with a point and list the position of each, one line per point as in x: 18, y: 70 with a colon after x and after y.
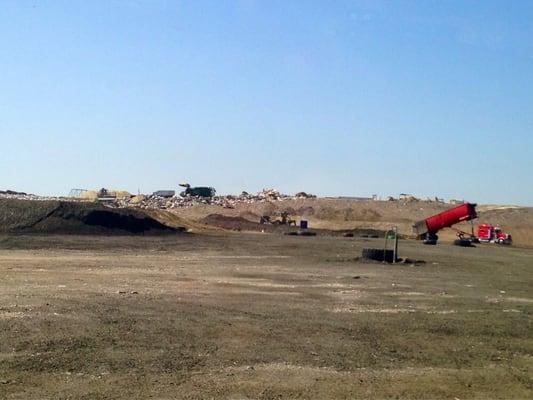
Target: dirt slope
x: 349, y: 214
x: 329, y: 214
x: 22, y: 216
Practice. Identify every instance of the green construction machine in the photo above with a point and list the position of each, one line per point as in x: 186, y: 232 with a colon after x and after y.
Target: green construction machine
x: 198, y: 191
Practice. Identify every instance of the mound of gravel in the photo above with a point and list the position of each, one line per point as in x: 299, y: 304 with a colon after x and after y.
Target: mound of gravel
x: 23, y: 216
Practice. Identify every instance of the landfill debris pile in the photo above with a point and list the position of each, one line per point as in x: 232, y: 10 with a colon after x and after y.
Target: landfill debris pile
x: 409, y: 198
x: 155, y: 201
x: 11, y: 194
x: 163, y: 199
x: 192, y: 196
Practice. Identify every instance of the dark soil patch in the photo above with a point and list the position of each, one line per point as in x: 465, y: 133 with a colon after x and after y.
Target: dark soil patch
x: 20, y: 216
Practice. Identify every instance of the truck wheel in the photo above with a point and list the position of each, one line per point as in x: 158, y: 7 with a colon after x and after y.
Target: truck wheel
x: 430, y: 239
x: 378, y: 255
x: 462, y: 242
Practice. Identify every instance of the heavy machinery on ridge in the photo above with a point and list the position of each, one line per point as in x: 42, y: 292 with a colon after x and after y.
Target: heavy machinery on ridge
x: 198, y: 191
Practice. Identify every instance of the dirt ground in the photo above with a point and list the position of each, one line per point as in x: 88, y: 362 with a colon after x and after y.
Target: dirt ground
x: 259, y: 316
x: 342, y: 214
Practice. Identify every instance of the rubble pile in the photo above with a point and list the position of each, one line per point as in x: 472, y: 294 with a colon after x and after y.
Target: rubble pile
x: 158, y: 201
x: 164, y: 199
x: 408, y: 198
x: 10, y: 194
x: 180, y: 201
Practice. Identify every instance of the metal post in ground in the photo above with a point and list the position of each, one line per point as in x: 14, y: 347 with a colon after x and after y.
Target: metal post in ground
x: 395, y: 254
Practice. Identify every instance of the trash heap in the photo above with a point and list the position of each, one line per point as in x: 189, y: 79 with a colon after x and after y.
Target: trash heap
x: 157, y: 201
x: 180, y: 201
x: 11, y: 194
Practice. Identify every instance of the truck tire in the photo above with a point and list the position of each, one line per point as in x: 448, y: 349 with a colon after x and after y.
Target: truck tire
x: 306, y: 233
x: 430, y: 239
x: 463, y: 242
x: 378, y: 255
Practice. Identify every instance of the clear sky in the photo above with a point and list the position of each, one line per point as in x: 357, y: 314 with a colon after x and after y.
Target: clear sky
x: 330, y: 97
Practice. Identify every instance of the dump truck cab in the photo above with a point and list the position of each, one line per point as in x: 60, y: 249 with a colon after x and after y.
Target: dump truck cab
x: 493, y: 234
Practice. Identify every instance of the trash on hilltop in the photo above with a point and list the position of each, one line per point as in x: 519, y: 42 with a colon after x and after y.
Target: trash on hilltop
x: 193, y: 196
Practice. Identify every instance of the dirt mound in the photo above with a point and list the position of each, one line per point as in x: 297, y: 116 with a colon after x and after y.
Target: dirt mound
x: 250, y: 216
x: 232, y: 223
x: 173, y: 220
x: 348, y: 214
x: 20, y: 216
x: 330, y: 214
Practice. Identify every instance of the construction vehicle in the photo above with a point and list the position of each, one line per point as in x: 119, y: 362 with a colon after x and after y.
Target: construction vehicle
x: 164, y: 193
x: 284, y: 220
x: 488, y: 233
x: 106, y: 195
x: 427, y: 229
x: 199, y: 191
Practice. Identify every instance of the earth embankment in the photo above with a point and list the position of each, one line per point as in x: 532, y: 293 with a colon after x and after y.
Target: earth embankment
x: 344, y: 214
x: 23, y: 216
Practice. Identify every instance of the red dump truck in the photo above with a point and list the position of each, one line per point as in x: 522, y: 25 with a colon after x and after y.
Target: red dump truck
x: 427, y: 229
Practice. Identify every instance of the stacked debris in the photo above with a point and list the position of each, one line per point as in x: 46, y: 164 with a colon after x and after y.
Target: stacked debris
x: 156, y: 201
x: 11, y: 194
x: 166, y: 199
x: 160, y: 202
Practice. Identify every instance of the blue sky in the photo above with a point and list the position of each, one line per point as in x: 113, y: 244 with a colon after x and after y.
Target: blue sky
x: 333, y: 98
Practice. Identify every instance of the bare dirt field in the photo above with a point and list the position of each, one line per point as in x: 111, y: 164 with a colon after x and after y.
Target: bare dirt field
x: 261, y: 316
x: 337, y: 214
